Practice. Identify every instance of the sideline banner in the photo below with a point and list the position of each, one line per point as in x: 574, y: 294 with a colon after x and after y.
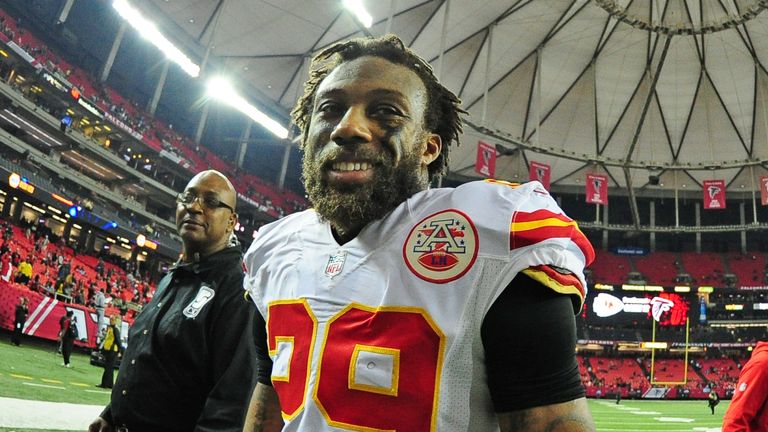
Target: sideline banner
x: 44, y: 315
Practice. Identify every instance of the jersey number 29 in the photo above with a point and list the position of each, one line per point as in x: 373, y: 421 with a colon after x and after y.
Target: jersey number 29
x: 378, y: 369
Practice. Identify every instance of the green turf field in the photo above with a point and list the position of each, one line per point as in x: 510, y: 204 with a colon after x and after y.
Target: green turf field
x: 34, y: 372
x: 656, y: 416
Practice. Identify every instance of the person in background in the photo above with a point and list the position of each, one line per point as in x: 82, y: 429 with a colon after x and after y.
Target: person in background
x: 190, y: 359
x: 748, y: 411
x: 20, y: 318
x: 6, y: 267
x: 99, y: 303
x: 714, y: 400
x: 24, y: 272
x: 111, y: 348
x: 100, y: 267
x: 68, y: 334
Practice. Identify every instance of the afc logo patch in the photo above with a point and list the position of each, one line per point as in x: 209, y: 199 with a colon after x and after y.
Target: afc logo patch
x: 442, y: 247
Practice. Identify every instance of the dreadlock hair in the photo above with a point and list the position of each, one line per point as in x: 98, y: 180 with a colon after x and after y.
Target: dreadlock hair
x: 443, y: 111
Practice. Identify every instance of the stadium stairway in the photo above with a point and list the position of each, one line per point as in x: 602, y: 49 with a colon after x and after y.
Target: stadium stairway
x: 701, y: 375
x: 590, y: 370
x: 645, y: 370
x: 726, y: 264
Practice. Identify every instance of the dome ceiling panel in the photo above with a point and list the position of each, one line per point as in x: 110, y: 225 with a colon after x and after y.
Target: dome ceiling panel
x: 247, y: 27
x: 621, y: 135
x: 460, y: 15
x: 617, y: 77
x: 567, y: 55
x: 570, y: 125
x: 271, y: 72
x: 652, y: 143
x: 673, y: 13
x: 509, y: 103
x: 620, y: 67
x: 190, y: 16
x: 295, y: 88
x: 408, y: 22
x: 455, y: 60
x: 757, y: 30
x: 508, y: 50
x: 341, y: 27
x: 728, y: 58
x: 760, y: 138
x: 748, y: 179
x: 616, y: 177
x: 676, y: 85
x: 711, y: 138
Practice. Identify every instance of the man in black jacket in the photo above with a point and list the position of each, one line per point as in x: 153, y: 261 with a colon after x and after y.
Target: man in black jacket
x: 21, y: 313
x: 189, y: 362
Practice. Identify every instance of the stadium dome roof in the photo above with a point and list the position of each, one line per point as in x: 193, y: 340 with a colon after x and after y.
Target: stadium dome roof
x: 672, y: 88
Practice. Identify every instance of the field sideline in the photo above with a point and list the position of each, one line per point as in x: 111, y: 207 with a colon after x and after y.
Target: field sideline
x: 32, y: 372
x: 656, y: 416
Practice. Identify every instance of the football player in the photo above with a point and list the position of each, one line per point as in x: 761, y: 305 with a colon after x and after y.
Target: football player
x: 393, y: 306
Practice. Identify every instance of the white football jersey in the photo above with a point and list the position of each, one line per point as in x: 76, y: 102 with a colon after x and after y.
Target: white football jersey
x: 383, y: 332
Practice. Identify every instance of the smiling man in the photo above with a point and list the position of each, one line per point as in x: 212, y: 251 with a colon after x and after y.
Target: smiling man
x: 392, y: 306
x: 190, y: 360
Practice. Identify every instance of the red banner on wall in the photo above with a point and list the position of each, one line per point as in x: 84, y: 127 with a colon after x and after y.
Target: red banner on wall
x: 597, y: 189
x: 540, y: 172
x: 714, y: 194
x: 45, y: 313
x: 485, y: 164
x: 764, y: 190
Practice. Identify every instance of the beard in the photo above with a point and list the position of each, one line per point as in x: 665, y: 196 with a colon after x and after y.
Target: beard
x: 348, y: 206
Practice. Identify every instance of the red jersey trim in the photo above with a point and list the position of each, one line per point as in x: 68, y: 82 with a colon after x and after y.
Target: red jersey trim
x: 530, y: 228
x: 556, y: 281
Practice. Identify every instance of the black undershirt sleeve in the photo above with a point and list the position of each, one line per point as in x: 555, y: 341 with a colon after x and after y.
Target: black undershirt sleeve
x: 529, y: 337
x: 264, y: 366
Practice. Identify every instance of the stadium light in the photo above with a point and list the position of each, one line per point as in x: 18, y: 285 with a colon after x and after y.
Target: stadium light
x: 358, y: 9
x: 221, y: 89
x: 148, y: 30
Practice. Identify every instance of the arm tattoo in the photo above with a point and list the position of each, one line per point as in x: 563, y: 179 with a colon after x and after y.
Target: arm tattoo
x: 568, y: 417
x: 264, y: 411
x: 522, y: 421
x: 516, y: 421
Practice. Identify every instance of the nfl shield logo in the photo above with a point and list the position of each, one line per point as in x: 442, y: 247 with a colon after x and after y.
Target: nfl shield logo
x: 335, y: 263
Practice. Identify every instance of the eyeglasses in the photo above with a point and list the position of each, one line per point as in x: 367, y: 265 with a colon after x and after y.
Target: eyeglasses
x: 207, y: 201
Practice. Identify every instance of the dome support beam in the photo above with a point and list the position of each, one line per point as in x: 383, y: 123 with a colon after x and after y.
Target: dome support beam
x: 648, y: 99
x: 632, y: 198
